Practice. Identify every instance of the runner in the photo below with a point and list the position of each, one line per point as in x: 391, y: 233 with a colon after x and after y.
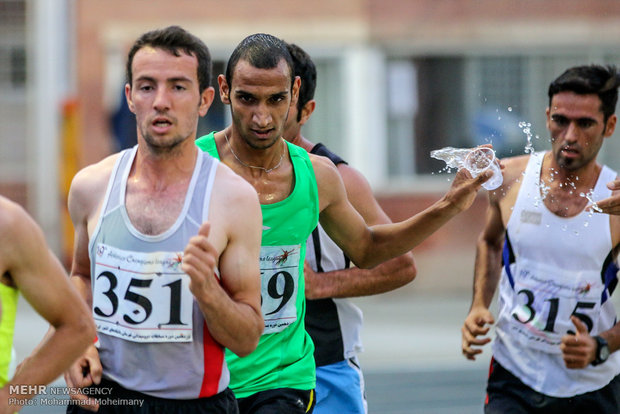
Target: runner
x: 167, y: 247
x: 294, y: 190
x: 556, y: 333
x: 28, y: 267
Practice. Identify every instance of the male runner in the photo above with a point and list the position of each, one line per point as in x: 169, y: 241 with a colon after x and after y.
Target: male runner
x: 167, y: 246
x: 335, y: 323
x: 556, y: 330
x: 28, y: 266
x: 294, y: 190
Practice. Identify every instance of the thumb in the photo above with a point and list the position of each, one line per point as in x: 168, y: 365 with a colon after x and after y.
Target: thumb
x: 614, y: 185
x: 484, y: 176
x: 581, y: 327
x: 204, y: 230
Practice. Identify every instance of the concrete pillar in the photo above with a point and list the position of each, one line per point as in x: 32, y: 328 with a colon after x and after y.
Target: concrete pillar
x: 364, y: 112
x: 48, y: 63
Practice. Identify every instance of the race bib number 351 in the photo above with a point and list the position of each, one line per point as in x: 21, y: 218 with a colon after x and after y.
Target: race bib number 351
x: 279, y: 267
x: 141, y: 297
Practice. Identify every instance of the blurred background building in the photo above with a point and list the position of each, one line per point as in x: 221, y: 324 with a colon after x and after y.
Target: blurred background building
x: 397, y: 79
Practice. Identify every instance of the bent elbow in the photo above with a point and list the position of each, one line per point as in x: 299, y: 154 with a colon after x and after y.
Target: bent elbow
x: 247, y: 348
x: 411, y: 271
x: 85, y: 330
x: 251, y: 341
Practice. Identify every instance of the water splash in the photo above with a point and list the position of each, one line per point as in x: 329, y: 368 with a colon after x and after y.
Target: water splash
x: 526, y: 127
x: 453, y: 157
x: 544, y: 189
x: 593, y: 205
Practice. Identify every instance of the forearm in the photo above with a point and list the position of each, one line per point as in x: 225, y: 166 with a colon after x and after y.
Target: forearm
x: 236, y: 325
x: 613, y: 337
x: 390, y: 240
x: 486, y: 274
x: 61, y: 347
x: 354, y: 281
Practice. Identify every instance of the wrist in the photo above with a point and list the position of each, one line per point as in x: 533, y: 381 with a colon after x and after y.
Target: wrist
x: 601, y: 352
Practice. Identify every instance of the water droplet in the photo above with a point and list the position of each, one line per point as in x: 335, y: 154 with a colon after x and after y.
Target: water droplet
x: 564, y: 227
x: 593, y: 204
x: 510, y: 109
x: 586, y: 224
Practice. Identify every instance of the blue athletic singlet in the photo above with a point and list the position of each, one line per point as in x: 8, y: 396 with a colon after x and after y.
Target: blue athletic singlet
x: 554, y: 267
x: 153, y: 336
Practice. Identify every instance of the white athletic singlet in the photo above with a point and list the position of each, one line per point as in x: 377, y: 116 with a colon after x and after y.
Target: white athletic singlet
x: 553, y: 268
x: 153, y: 337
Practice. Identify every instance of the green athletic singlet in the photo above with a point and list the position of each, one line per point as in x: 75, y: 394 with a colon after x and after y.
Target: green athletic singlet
x: 284, y: 355
x: 8, y: 298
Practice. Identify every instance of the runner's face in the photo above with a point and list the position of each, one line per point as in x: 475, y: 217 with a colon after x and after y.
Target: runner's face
x: 577, y: 129
x: 260, y: 102
x: 165, y: 97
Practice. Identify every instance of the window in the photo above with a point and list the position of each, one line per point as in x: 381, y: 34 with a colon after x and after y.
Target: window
x: 462, y: 101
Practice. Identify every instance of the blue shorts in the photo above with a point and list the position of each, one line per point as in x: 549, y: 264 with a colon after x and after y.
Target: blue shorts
x: 340, y: 389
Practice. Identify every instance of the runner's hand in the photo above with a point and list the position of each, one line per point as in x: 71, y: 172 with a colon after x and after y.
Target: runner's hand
x: 311, y: 282
x: 199, y: 261
x: 611, y: 205
x: 476, y: 323
x: 578, y: 350
x: 85, y: 372
x: 464, y: 188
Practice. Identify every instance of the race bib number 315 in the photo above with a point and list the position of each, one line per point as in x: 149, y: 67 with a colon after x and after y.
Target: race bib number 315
x: 279, y: 267
x: 141, y: 297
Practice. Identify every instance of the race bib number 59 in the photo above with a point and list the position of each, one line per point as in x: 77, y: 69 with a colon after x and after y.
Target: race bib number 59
x: 141, y: 297
x: 279, y: 267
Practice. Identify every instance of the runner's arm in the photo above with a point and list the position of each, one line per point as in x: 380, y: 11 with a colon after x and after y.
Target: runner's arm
x: 487, y: 272
x: 43, y: 282
x: 370, y: 246
x: 354, y: 281
x: 85, y: 195
x: 231, y: 308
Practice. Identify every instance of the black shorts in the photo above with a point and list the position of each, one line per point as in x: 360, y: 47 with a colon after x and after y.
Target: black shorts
x: 506, y: 394
x: 278, y: 401
x: 120, y: 400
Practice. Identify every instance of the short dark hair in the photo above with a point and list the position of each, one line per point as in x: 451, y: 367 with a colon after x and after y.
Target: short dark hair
x: 174, y: 39
x: 263, y: 51
x: 590, y: 79
x: 306, y: 70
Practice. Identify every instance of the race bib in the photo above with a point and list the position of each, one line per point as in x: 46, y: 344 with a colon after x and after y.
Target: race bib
x: 544, y: 300
x: 141, y: 297
x: 279, y: 268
